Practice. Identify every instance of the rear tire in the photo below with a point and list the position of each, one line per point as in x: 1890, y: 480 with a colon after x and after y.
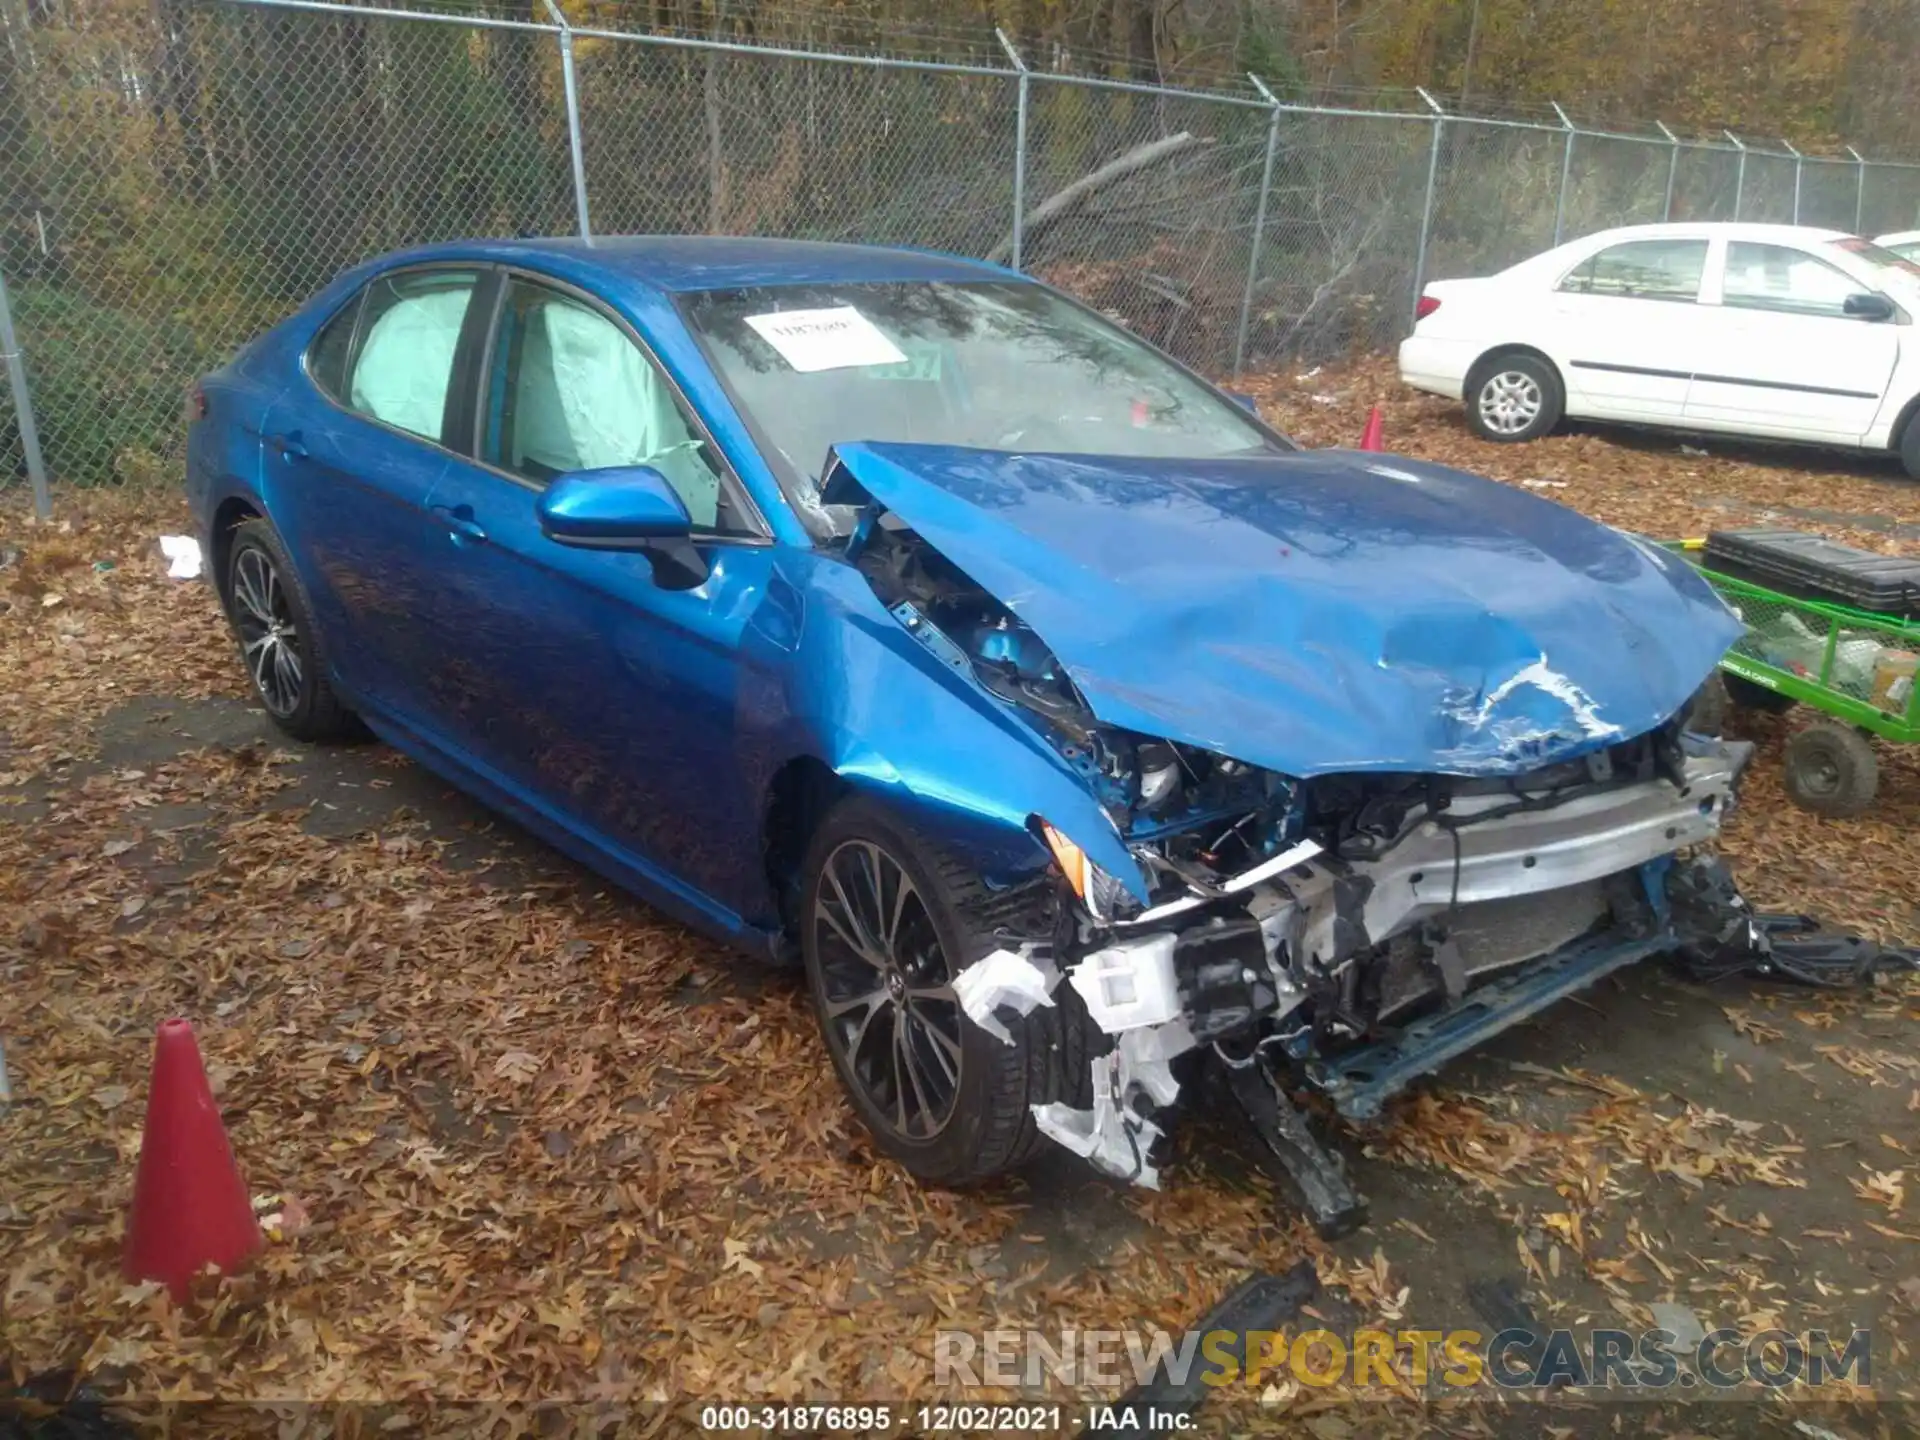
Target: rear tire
x: 1513, y: 397
x: 1910, y: 446
x: 1831, y: 770
x: 953, y: 1104
x: 279, y: 639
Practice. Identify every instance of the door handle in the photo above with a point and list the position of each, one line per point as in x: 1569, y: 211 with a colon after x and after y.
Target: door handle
x: 289, y: 445
x: 460, y: 522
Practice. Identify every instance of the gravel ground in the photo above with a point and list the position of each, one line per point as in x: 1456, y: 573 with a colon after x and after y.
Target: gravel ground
x: 517, y: 1138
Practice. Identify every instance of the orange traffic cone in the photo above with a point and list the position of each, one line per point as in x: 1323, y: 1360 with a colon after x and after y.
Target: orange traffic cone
x: 1371, y: 437
x: 190, y: 1206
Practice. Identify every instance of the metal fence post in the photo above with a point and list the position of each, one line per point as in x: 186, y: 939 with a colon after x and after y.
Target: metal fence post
x: 1859, y: 191
x: 1426, y: 209
x: 1740, y: 174
x: 1566, y: 174
x: 569, y: 83
x: 1797, y: 161
x: 1673, y: 169
x: 23, y: 407
x: 1259, y: 224
x: 1019, y: 150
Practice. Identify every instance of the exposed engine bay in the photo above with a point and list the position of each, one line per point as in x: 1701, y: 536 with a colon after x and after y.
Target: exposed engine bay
x: 1343, y: 933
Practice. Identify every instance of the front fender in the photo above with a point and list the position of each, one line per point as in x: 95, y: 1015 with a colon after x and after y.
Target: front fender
x: 879, y: 709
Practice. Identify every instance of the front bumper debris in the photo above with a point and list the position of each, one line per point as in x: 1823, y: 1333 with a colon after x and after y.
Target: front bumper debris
x: 1360, y: 1081
x: 1353, y: 975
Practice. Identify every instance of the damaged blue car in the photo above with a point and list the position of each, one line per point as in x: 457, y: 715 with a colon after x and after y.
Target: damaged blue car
x: 1080, y: 734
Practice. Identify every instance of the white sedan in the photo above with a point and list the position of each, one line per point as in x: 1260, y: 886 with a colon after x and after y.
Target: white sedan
x: 1768, y: 330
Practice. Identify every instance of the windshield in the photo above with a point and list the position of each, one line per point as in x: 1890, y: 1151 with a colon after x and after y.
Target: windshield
x: 995, y: 365
x: 1904, y: 272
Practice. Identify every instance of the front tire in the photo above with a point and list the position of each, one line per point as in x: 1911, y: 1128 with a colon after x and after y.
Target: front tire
x: 1910, y: 446
x: 886, y: 921
x: 278, y: 638
x: 1514, y: 397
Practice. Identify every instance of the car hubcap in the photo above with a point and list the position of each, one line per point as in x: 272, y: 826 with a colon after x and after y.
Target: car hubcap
x: 1510, y: 402
x: 890, y: 1008
x: 268, y: 637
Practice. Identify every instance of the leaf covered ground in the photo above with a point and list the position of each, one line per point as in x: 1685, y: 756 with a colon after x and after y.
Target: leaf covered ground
x: 516, y: 1138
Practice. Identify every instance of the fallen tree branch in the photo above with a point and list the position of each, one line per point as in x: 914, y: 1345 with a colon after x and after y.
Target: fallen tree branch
x: 1138, y: 158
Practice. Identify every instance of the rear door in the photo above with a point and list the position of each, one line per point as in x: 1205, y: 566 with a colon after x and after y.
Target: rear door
x: 1627, y: 319
x: 352, y: 456
x: 1783, y: 358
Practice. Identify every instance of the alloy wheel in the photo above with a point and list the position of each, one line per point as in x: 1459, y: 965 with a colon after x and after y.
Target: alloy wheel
x: 269, y: 638
x: 1510, y: 402
x: 885, y: 992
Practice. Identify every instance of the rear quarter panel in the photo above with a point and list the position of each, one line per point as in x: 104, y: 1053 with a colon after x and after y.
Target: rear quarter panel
x: 224, y: 449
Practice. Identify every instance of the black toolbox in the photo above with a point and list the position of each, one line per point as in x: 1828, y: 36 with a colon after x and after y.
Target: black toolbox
x: 1812, y: 567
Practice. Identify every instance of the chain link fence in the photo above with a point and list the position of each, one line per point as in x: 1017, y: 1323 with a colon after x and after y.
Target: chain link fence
x: 175, y: 178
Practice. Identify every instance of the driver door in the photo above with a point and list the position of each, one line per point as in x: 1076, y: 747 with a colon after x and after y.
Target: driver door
x: 1782, y: 356
x: 570, y: 675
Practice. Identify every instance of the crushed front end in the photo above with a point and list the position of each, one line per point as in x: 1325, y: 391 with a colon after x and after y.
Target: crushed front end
x: 1342, y: 933
x: 1383, y: 761
x: 1347, y: 934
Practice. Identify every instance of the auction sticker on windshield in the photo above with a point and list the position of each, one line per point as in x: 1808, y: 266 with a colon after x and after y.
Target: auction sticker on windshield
x: 832, y: 339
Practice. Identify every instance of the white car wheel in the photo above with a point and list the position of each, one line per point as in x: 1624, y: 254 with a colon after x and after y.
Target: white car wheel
x: 1514, y: 397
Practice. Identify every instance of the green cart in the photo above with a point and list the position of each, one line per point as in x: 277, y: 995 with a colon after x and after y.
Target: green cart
x: 1855, y: 666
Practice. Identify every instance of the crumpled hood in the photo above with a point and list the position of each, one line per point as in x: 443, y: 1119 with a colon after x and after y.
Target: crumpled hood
x: 1319, y: 611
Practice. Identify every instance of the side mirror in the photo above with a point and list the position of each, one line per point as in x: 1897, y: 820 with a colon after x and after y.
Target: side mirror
x: 1245, y: 402
x: 627, y: 507
x: 1869, y: 307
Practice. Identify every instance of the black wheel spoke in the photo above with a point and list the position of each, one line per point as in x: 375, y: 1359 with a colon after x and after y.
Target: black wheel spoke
x: 945, y: 1049
x: 857, y: 937
x: 899, y: 1087
x: 904, y: 1060
x: 869, y: 1001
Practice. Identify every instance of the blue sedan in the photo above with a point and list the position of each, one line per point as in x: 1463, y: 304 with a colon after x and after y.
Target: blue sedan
x: 896, y: 614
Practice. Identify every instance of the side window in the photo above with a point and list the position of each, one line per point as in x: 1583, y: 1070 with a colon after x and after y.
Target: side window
x: 327, y: 356
x: 1643, y: 269
x: 570, y: 391
x: 1779, y: 277
x: 409, y: 328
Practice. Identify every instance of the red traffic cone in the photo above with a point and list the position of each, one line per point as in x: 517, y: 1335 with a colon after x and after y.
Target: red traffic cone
x: 190, y: 1205
x: 1371, y: 437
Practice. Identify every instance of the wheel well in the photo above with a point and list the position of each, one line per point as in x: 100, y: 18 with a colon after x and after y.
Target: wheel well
x: 798, y: 798
x: 231, y: 514
x: 1501, y: 351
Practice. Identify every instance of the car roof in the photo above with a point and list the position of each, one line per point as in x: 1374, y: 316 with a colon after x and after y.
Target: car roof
x: 1706, y: 229
x: 1897, y: 237
x: 720, y: 262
